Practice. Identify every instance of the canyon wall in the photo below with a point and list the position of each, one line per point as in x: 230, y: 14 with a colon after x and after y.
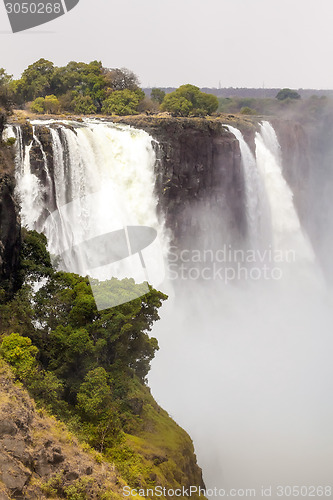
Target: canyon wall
x: 199, y: 178
x: 9, y: 217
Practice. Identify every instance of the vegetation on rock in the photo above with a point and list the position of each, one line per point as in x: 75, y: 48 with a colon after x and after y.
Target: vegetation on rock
x: 88, y: 368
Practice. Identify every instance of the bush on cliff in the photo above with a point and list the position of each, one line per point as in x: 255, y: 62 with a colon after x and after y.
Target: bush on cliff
x: 188, y: 100
x: 123, y: 102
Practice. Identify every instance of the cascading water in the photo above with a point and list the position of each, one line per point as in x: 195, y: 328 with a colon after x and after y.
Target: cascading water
x: 103, y: 180
x: 286, y: 227
x: 257, y: 210
x: 251, y: 363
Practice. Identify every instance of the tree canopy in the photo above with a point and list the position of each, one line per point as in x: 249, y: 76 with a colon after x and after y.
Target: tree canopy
x: 287, y: 94
x: 74, y: 358
x: 78, y: 87
x: 188, y: 100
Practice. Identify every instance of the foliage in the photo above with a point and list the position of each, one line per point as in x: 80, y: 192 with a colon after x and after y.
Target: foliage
x: 36, y: 80
x: 6, y: 93
x: 82, y: 104
x: 287, y: 94
x: 35, y: 261
x: 157, y: 95
x: 88, y: 367
x: 72, y: 336
x: 248, y: 111
x: 4, y: 77
x: 121, y: 79
x: 38, y: 105
x: 259, y: 106
x: 51, y: 104
x: 10, y: 141
x: 94, y: 395
x: 82, y: 88
x: 48, y: 104
x: 123, y: 102
x: 19, y: 352
x: 188, y: 100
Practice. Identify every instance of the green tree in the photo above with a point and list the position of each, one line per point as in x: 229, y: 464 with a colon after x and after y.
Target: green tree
x: 177, y: 105
x: 6, y: 91
x: 19, y: 352
x: 36, y: 80
x: 248, y: 111
x: 287, y: 94
x: 157, y: 95
x: 123, y: 102
x: 94, y: 396
x: 51, y: 104
x: 38, y: 105
x: 5, y: 79
x: 35, y: 261
x: 96, y: 407
x: 189, y: 100
x: 84, y: 83
x: 82, y: 104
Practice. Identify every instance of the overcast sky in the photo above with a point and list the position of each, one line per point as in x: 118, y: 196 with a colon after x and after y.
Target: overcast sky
x: 239, y: 43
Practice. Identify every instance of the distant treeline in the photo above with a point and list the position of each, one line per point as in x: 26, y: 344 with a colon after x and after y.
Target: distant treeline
x: 261, y: 93
x: 90, y: 88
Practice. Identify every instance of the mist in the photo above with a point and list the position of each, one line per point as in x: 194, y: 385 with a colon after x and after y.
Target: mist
x: 245, y: 363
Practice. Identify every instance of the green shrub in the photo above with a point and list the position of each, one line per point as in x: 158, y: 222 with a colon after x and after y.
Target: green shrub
x: 123, y: 102
x: 19, y: 352
x: 189, y: 100
x: 248, y: 111
x: 10, y: 141
x: 157, y: 95
x: 51, y: 104
x: 38, y: 105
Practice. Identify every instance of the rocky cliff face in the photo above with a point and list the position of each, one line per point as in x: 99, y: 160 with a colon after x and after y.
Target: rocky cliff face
x: 199, y: 177
x: 307, y: 156
x: 9, y: 217
x: 39, y: 458
x: 200, y: 183
x: 297, y: 162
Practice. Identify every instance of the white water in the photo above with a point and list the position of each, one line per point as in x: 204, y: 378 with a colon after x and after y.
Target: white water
x: 286, y: 227
x: 245, y: 369
x: 257, y: 208
x: 103, y: 181
x: 252, y: 363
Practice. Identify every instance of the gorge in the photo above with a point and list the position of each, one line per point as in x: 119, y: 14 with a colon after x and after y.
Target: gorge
x: 250, y: 358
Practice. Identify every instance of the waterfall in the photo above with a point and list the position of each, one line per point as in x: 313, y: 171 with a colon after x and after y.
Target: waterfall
x: 103, y: 181
x: 286, y: 228
x: 272, y: 219
x: 288, y: 236
x: 251, y: 362
x: 256, y: 204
